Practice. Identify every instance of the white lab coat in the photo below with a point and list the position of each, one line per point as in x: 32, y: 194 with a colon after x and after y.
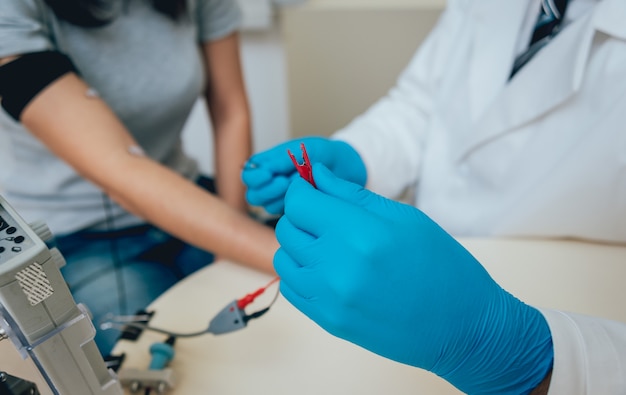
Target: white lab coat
x: 543, y: 154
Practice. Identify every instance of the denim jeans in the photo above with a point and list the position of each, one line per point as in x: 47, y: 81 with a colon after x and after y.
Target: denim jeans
x: 122, y: 271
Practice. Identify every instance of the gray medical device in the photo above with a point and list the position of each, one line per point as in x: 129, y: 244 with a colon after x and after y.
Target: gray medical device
x: 39, y: 315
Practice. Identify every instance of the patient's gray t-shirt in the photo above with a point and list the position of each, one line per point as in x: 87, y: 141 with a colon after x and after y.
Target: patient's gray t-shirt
x: 147, y: 67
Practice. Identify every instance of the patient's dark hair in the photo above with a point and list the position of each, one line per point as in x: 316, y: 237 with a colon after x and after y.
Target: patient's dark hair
x: 95, y: 13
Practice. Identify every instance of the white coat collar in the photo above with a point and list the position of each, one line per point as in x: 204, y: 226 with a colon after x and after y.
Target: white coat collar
x: 550, y: 78
x: 496, y: 25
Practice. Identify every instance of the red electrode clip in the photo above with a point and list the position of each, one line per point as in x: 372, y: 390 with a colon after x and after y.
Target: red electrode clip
x: 249, y: 298
x: 305, y: 170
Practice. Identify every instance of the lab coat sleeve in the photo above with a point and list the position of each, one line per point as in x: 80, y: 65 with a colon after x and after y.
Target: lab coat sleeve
x: 589, y: 354
x: 390, y: 136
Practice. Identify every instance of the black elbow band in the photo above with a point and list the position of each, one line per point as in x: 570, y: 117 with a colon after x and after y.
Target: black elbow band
x: 22, y: 79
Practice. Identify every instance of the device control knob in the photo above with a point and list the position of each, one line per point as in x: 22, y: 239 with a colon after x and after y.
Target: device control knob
x: 42, y: 230
x: 57, y: 257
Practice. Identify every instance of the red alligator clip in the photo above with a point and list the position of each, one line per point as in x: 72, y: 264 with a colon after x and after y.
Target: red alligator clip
x: 305, y: 170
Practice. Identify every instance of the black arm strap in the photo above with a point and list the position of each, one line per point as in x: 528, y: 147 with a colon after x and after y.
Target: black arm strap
x: 22, y: 79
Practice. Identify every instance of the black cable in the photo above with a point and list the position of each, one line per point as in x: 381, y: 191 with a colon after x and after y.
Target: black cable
x: 147, y: 327
x: 115, y: 255
x: 141, y: 326
x: 259, y: 313
x: 256, y: 314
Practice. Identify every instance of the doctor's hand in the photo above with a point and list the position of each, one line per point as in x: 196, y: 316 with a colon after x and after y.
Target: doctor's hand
x: 268, y: 174
x: 384, y: 276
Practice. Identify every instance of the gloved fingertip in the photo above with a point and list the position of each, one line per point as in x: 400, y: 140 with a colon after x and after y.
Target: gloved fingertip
x: 319, y: 167
x: 256, y: 177
x: 250, y: 164
x: 276, y: 208
x: 330, y: 184
x: 250, y: 198
x: 323, y: 176
x: 297, y: 186
x: 327, y: 181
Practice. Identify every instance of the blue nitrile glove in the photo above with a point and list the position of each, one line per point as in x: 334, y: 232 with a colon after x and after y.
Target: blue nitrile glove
x: 268, y: 174
x: 383, y: 275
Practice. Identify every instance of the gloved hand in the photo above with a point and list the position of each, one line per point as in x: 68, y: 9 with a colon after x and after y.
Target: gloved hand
x: 383, y: 275
x: 268, y: 174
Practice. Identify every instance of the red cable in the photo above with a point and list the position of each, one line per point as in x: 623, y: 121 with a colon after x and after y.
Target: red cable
x: 306, y: 171
x: 249, y: 298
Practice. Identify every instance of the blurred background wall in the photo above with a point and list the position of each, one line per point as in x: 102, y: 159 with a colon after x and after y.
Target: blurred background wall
x: 312, y: 65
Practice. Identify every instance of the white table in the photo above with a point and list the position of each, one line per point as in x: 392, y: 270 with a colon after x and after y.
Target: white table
x: 284, y: 352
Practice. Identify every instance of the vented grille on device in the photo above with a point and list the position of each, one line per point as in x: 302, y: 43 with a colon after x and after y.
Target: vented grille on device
x: 34, y: 283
